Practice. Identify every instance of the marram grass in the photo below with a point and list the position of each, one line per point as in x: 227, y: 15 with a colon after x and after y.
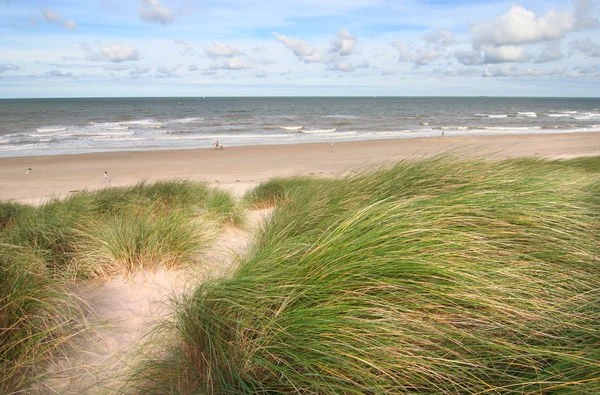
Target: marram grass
x: 38, y: 319
x: 90, y: 234
x: 444, y: 276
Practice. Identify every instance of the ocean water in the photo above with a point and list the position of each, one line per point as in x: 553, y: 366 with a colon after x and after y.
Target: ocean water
x: 30, y: 127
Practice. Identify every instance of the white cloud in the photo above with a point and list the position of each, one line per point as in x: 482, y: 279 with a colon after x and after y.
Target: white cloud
x: 165, y: 72
x: 519, y: 26
x: 586, y: 47
x: 139, y: 70
x: 57, y: 73
x: 514, y: 71
x: 193, y: 67
x: 219, y: 49
x: 261, y: 74
x: 420, y: 57
x: 441, y: 37
x: 187, y: 48
x: 426, y: 55
x: 347, y: 66
x: 504, y: 53
x: 550, y: 53
x: 301, y: 49
x: 110, y: 6
x: 70, y: 25
x: 344, y: 44
x: 8, y: 67
x: 120, y: 53
x: 114, y: 53
x: 469, y: 58
x: 452, y: 72
x: 54, y: 17
x: 153, y: 11
x: 51, y: 15
x: 235, y: 63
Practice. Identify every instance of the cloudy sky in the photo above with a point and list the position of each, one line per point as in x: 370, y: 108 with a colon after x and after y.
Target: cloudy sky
x: 92, y: 48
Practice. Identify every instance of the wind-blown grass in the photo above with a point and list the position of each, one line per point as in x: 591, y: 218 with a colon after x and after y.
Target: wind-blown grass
x: 90, y: 234
x: 115, y: 229
x: 37, y: 318
x: 441, y: 275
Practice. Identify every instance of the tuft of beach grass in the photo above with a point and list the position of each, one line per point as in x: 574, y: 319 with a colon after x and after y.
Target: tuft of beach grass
x: 440, y: 275
x: 99, y: 234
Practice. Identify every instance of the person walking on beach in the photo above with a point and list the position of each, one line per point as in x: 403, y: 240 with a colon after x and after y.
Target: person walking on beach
x: 106, y: 179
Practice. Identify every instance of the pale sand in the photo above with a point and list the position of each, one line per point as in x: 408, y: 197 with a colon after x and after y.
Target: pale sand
x: 239, y: 168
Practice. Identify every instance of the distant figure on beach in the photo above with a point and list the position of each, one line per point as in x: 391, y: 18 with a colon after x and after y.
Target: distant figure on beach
x: 106, y: 179
x: 218, y: 145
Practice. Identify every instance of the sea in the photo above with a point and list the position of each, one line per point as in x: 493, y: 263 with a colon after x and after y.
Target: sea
x: 31, y: 127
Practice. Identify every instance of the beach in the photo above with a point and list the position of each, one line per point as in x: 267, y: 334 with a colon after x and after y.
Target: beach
x: 238, y: 169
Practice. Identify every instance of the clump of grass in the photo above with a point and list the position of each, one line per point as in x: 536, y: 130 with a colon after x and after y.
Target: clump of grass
x: 438, y: 276
x: 11, y: 213
x: 37, y: 318
x: 222, y: 207
x: 96, y: 233
x: 90, y: 234
x: 140, y: 240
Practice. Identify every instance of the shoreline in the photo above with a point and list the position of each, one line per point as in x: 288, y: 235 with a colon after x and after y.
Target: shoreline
x: 239, y: 168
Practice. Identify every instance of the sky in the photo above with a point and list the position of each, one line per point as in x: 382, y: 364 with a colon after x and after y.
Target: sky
x: 142, y: 48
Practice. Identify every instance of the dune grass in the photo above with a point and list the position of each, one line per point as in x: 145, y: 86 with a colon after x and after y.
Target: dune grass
x: 114, y: 231
x: 121, y: 229
x: 442, y: 275
x: 38, y: 319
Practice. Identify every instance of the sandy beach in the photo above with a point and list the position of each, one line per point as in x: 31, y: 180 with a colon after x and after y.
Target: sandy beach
x: 240, y: 168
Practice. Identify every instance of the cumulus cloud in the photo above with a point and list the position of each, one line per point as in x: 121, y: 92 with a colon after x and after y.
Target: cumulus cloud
x: 114, y: 53
x: 8, y: 67
x: 440, y: 37
x: 347, y: 66
x: 520, y: 26
x: 514, y: 71
x: 54, y: 17
x: 301, y: 49
x: 469, y: 58
x: 550, y: 53
x: 420, y: 57
x: 586, y: 47
x: 235, y: 63
x: 504, y: 53
x: 165, y: 72
x: 219, y: 49
x: 57, y: 73
x: 120, y: 53
x: 154, y: 12
x: 344, y: 44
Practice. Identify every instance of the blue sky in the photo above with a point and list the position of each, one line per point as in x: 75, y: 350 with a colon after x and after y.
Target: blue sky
x: 131, y: 48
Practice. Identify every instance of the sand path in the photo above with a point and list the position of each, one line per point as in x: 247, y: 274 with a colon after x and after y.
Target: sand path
x: 121, y: 311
